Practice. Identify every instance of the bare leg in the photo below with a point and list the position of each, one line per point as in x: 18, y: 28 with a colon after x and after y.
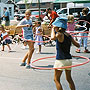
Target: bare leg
x: 2, y: 47
x: 9, y: 46
x: 25, y: 57
x: 39, y: 48
x: 57, y: 76
x: 69, y: 79
x: 31, y: 50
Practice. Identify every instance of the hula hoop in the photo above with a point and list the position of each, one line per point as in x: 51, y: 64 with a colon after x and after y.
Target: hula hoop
x: 41, y: 68
x: 79, y: 32
x: 83, y: 21
x: 39, y: 41
x: 80, y: 36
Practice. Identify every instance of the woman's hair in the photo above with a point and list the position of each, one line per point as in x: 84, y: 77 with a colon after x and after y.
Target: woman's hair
x: 28, y: 11
x: 70, y: 18
x: 61, y: 30
x: 1, y: 26
x: 85, y: 11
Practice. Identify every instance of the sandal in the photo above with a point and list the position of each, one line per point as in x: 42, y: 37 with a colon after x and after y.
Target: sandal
x: 78, y: 50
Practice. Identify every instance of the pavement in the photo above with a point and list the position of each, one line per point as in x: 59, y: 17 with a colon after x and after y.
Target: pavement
x: 15, y: 77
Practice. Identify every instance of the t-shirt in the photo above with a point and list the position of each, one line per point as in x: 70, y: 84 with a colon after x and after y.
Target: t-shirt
x: 71, y: 26
x: 7, y: 15
x: 83, y: 23
x: 88, y: 19
x: 5, y: 36
x: 26, y: 30
x: 53, y: 15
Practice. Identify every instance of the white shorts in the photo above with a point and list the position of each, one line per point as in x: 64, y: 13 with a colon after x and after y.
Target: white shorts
x: 63, y: 63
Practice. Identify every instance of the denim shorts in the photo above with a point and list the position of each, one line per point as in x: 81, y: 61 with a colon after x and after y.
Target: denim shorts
x: 7, y: 41
x: 29, y: 37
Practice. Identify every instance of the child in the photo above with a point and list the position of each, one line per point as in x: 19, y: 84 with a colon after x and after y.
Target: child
x: 70, y: 24
x: 26, y: 25
x: 63, y: 56
x: 38, y: 35
x: 5, y: 38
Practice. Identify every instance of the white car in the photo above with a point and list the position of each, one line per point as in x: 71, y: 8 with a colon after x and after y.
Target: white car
x: 64, y: 12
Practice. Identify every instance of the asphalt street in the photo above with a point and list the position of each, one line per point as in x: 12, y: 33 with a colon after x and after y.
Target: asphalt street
x: 15, y: 77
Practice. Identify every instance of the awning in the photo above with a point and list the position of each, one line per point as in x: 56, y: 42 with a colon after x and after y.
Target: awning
x: 74, y: 1
x: 61, y: 1
x: 81, y: 1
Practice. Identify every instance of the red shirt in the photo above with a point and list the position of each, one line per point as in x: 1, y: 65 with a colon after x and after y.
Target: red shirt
x: 53, y: 15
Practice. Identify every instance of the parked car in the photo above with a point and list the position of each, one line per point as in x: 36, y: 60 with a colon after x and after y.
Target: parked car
x: 35, y: 15
x: 64, y: 12
x: 19, y: 15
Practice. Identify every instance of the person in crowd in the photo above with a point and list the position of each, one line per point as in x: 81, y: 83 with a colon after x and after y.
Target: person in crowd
x: 26, y: 25
x: 5, y: 38
x: 70, y: 24
x: 84, y: 36
x: 38, y: 35
x: 52, y: 16
x: 6, y: 17
x: 63, y: 56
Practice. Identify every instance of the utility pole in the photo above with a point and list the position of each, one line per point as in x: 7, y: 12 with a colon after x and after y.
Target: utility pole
x: 39, y: 8
x: 26, y: 3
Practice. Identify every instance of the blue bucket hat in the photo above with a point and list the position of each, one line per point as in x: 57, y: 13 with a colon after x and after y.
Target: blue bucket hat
x: 60, y: 22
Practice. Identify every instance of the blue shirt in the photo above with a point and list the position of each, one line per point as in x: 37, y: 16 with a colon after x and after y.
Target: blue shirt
x: 27, y: 31
x: 63, y: 49
x: 7, y: 15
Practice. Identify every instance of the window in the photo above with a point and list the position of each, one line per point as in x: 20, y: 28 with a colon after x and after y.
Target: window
x: 22, y: 6
x: 78, y: 9
x: 35, y: 13
x: 10, y: 11
x: 71, y: 10
x: 63, y: 11
x: 33, y: 4
x: 43, y: 4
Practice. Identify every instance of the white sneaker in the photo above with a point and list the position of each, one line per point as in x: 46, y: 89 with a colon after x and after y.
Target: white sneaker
x: 38, y: 52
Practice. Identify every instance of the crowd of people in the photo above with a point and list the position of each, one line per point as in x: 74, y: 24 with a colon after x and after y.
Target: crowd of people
x: 60, y: 32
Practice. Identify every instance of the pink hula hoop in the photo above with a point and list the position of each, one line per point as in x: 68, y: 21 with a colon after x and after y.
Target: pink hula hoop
x: 81, y: 32
x: 41, y: 68
x: 82, y: 20
x: 80, y: 36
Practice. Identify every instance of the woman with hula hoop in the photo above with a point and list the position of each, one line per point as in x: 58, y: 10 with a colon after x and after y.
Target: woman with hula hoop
x: 26, y: 25
x: 84, y: 36
x: 63, y: 56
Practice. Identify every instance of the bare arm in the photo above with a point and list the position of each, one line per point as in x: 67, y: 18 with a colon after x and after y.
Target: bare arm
x: 75, y: 43
x: 59, y: 36
x: 20, y: 26
x: 51, y: 22
x: 53, y: 36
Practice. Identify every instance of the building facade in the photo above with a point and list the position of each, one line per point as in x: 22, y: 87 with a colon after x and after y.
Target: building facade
x: 10, y: 8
